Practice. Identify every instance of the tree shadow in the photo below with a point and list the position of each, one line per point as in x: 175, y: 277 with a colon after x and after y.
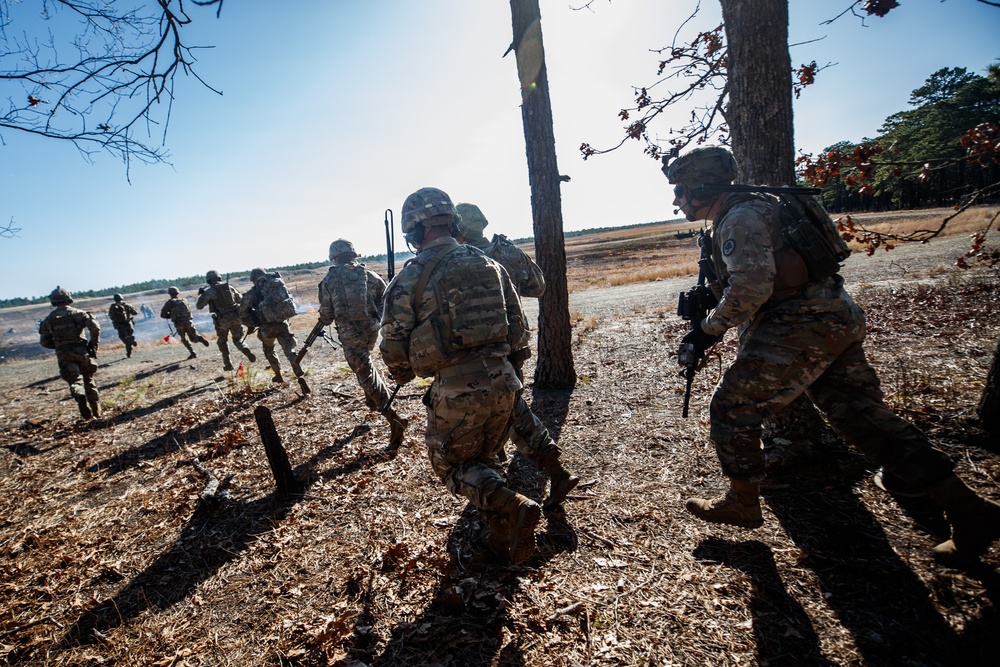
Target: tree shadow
x: 783, y: 632
x: 212, y: 537
x: 876, y: 596
x: 551, y: 406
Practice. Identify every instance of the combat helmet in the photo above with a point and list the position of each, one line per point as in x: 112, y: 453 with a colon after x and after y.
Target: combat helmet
x: 709, y: 164
x: 60, y: 297
x: 471, y: 221
x: 173, y: 291
x: 117, y: 297
x: 424, y: 204
x: 341, y: 247
x: 257, y: 274
x: 212, y: 277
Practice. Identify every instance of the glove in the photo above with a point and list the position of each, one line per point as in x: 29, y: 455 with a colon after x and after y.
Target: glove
x: 698, y: 339
x: 201, y: 290
x: 402, y: 378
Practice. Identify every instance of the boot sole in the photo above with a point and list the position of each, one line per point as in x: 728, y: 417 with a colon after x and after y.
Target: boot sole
x: 557, y: 499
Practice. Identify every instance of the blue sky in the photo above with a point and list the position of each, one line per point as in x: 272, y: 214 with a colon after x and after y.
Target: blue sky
x: 333, y: 112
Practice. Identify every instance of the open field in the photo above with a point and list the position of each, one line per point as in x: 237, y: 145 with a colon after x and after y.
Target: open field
x: 109, y: 556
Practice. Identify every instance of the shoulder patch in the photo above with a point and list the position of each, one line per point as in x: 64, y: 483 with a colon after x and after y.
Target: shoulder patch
x: 728, y: 247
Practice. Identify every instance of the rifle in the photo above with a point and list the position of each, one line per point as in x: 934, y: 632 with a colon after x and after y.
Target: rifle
x: 310, y: 339
x: 390, y: 243
x: 392, y: 397
x: 693, y: 305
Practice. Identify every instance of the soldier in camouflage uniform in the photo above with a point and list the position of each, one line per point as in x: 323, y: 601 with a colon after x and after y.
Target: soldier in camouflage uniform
x: 799, y: 335
x: 530, y: 436
x: 122, y: 315
x: 62, y: 331
x: 223, y: 301
x: 270, y: 333
x: 176, y: 310
x: 453, y: 314
x: 351, y: 297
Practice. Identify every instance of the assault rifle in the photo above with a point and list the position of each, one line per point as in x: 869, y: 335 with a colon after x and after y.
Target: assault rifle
x: 390, y: 244
x: 693, y: 305
x: 392, y: 397
x: 316, y: 332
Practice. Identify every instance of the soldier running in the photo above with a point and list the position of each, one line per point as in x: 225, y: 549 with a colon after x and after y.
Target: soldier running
x: 177, y: 311
x: 122, y: 316
x: 223, y: 301
x: 62, y: 331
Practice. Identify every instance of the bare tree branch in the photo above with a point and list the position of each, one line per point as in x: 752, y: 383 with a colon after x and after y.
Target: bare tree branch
x: 9, y: 231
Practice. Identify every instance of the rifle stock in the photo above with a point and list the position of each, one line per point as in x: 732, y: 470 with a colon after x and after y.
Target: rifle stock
x: 310, y: 339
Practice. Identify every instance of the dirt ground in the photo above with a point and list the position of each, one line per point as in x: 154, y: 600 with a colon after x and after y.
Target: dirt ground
x: 110, y: 555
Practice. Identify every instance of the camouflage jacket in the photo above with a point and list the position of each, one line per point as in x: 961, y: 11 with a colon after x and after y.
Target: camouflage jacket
x: 248, y: 302
x: 419, y: 333
x: 352, y: 296
x: 63, y: 328
x: 121, y: 313
x: 220, y: 298
x: 757, y: 271
x: 524, y: 273
x: 176, y: 310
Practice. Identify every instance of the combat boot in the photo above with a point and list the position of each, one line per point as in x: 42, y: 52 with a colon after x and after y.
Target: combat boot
x: 95, y: 407
x: 397, y: 428
x: 203, y: 340
x: 304, y: 387
x: 739, y: 507
x: 248, y: 354
x: 560, y: 481
x: 192, y: 355
x: 277, y: 379
x: 975, y: 522
x: 81, y: 403
x: 227, y: 365
x: 512, y: 525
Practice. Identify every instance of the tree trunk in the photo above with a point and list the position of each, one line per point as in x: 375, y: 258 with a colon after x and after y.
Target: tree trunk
x: 554, y: 368
x: 763, y: 142
x: 284, y: 477
x: 989, y: 403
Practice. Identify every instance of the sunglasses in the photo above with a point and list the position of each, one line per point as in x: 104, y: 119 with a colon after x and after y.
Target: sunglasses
x: 679, y: 191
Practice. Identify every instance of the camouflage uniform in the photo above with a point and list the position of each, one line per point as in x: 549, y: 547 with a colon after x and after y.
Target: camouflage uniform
x: 62, y: 331
x: 351, y: 297
x: 121, y: 315
x: 796, y: 335
x: 473, y: 390
x: 177, y: 311
x: 223, y: 301
x: 270, y: 332
x: 526, y: 430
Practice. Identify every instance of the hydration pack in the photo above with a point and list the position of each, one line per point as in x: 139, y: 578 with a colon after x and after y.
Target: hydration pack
x: 812, y: 233
x: 275, y: 303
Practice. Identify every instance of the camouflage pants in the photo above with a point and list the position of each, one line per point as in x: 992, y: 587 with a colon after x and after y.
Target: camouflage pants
x: 186, y: 331
x: 226, y: 324
x: 271, y: 332
x: 822, y: 355
x: 372, y: 384
x: 126, y: 333
x: 468, y: 408
x: 527, y: 431
x: 78, y: 369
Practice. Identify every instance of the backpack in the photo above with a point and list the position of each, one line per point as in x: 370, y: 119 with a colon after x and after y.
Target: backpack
x: 275, y: 303
x: 352, y: 290
x: 812, y: 233
x: 224, y: 297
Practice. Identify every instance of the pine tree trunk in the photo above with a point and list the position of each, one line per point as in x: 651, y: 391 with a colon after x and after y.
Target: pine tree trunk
x: 763, y: 142
x: 989, y: 403
x: 554, y: 368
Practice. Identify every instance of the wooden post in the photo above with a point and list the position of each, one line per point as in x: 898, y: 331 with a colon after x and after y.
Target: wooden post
x: 276, y: 455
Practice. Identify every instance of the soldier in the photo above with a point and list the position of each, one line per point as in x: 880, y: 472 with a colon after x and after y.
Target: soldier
x: 223, y: 301
x: 62, y: 331
x: 351, y: 296
x: 122, y: 317
x: 799, y: 335
x: 530, y: 436
x: 269, y: 332
x: 177, y: 311
x: 452, y: 314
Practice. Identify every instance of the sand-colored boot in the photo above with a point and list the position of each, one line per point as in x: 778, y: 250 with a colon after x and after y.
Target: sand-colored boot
x: 560, y: 481
x: 248, y: 354
x: 81, y: 403
x: 739, y: 507
x: 304, y: 386
x: 975, y: 522
x: 512, y: 525
x: 397, y: 428
x: 95, y: 407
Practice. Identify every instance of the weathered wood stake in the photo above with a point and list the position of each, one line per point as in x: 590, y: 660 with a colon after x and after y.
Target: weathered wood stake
x: 276, y: 455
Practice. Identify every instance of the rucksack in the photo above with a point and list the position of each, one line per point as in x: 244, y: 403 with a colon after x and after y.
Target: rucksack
x: 353, y: 292
x: 275, y: 304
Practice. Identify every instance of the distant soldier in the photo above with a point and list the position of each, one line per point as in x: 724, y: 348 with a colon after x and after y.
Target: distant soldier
x: 255, y: 313
x: 62, y: 331
x: 530, y: 436
x: 147, y: 312
x: 452, y: 314
x: 122, y: 316
x: 223, y: 301
x: 351, y: 297
x: 177, y: 311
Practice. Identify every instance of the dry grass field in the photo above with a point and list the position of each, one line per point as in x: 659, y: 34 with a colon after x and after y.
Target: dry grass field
x: 110, y: 554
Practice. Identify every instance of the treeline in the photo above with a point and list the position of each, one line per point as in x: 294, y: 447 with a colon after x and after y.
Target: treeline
x: 920, y: 160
